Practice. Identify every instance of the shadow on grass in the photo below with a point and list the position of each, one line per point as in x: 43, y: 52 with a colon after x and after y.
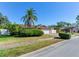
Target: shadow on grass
x: 24, y: 36
x: 60, y: 38
x: 5, y: 36
x: 57, y: 38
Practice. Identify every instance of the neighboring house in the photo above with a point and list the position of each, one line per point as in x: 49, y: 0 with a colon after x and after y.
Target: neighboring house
x: 42, y: 27
x: 70, y: 29
x: 25, y: 26
x: 46, y: 30
x: 75, y: 29
x: 4, y: 32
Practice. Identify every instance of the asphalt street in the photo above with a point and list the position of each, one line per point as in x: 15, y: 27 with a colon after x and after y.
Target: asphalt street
x: 68, y: 48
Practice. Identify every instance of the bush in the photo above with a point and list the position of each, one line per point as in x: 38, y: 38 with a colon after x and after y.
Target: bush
x: 16, y: 30
x: 64, y: 35
x: 13, y: 28
x: 30, y: 32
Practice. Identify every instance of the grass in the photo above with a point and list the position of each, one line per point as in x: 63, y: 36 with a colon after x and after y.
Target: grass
x: 26, y: 49
x: 76, y: 34
x: 10, y: 39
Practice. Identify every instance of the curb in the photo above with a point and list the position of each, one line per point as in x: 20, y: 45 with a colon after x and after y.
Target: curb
x: 42, y: 49
x: 55, y: 46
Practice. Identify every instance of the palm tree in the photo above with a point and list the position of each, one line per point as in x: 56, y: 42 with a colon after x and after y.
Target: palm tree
x: 29, y: 18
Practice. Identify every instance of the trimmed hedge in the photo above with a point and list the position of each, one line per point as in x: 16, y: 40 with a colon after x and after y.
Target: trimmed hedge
x: 30, y: 32
x: 64, y: 35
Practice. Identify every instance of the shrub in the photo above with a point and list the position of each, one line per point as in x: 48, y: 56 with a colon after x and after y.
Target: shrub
x: 64, y: 35
x: 30, y: 32
x: 16, y: 30
x: 13, y: 28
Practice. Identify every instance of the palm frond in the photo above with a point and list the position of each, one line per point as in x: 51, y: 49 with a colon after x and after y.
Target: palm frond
x: 29, y: 17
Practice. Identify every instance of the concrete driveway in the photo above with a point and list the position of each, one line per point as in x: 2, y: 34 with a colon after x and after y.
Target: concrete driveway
x: 67, y: 48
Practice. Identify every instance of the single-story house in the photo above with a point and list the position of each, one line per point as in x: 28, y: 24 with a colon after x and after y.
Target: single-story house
x: 70, y: 29
x: 46, y: 30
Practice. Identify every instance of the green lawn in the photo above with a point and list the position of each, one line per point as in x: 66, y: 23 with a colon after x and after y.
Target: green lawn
x: 26, y: 49
x: 10, y: 39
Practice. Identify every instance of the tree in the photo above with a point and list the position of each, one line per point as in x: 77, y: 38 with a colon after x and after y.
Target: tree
x: 3, y: 20
x: 77, y: 18
x: 61, y: 25
x: 51, y: 26
x: 13, y: 28
x: 29, y: 18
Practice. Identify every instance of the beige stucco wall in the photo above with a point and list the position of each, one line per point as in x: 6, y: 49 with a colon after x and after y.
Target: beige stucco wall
x: 49, y: 31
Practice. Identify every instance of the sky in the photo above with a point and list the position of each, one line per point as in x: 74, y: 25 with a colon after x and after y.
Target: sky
x: 48, y: 13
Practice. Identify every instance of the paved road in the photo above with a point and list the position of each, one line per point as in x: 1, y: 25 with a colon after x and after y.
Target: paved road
x: 69, y: 48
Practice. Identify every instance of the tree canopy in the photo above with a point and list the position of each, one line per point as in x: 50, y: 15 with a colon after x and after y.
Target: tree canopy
x: 3, y: 20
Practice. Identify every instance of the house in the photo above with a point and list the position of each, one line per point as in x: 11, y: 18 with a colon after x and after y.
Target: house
x: 26, y: 26
x: 46, y: 30
x: 74, y: 28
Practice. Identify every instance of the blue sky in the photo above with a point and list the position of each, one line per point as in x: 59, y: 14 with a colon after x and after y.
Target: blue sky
x: 48, y: 13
